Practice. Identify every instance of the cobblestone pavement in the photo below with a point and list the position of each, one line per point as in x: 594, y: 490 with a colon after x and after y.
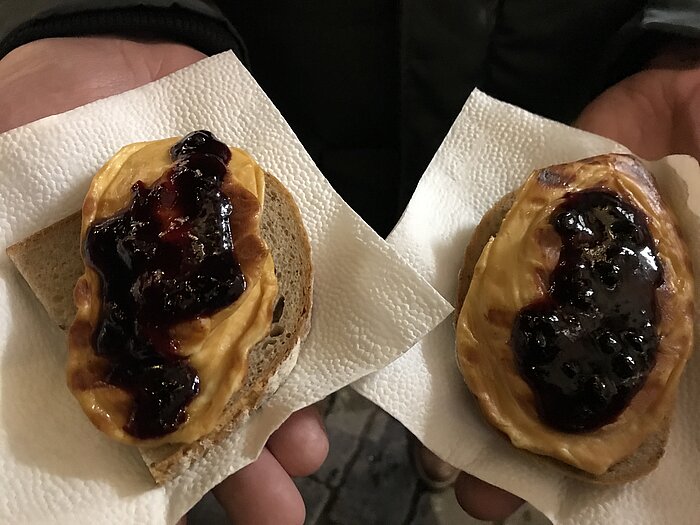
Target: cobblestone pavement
x: 368, y: 477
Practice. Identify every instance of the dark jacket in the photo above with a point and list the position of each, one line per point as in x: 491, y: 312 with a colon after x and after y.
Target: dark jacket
x: 372, y: 86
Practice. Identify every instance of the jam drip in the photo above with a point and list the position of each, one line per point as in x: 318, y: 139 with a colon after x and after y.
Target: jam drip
x: 587, y: 347
x: 166, y: 258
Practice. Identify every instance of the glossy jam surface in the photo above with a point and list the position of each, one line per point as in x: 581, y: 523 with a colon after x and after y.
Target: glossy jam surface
x: 587, y: 347
x: 166, y: 258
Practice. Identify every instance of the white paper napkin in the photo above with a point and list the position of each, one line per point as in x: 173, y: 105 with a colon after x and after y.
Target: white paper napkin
x: 489, y: 151
x: 54, y: 466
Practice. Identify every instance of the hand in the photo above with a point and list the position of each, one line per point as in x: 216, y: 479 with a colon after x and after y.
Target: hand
x: 655, y: 112
x: 263, y: 493
x: 54, y: 75
x: 481, y: 500
x: 484, y: 501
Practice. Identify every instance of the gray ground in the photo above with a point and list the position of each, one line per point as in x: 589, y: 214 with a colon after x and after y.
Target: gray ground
x: 368, y: 477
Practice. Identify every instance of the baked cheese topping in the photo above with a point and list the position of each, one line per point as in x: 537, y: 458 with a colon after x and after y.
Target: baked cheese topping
x: 215, y: 346
x: 514, y: 271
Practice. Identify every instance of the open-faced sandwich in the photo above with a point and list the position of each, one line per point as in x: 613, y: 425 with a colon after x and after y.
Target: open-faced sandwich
x: 576, y: 317
x: 185, y: 285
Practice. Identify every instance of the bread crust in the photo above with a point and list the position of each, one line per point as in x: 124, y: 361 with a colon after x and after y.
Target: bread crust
x: 648, y: 454
x: 269, y: 362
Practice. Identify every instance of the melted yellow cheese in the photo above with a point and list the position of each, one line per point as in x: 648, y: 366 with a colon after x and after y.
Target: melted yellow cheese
x: 217, y: 347
x: 513, y: 271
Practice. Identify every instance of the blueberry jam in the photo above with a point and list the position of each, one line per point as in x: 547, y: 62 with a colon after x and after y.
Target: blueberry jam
x: 166, y: 258
x: 587, y: 347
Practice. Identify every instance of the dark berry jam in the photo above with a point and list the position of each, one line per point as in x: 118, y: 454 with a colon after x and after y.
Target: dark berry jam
x: 166, y: 258
x: 587, y: 347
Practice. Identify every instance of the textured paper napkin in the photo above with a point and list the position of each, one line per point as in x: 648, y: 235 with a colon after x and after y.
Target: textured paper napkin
x: 489, y: 151
x: 54, y: 466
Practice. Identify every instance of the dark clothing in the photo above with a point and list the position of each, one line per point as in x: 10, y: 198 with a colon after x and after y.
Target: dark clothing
x: 372, y: 86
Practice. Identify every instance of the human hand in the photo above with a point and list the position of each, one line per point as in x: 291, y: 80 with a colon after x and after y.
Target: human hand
x: 50, y: 76
x: 655, y: 112
x: 484, y: 501
x: 57, y: 74
x: 478, y: 498
x: 263, y: 492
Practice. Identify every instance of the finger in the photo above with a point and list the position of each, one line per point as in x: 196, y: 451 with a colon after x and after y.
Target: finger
x: 300, y: 444
x: 261, y: 494
x: 484, y: 501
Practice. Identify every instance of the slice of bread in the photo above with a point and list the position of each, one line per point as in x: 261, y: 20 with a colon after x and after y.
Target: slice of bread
x: 647, y: 456
x: 50, y: 262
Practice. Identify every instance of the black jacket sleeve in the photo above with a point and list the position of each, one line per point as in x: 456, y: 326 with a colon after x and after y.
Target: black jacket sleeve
x: 678, y: 17
x: 197, y: 23
x: 659, y: 22
x: 554, y: 57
